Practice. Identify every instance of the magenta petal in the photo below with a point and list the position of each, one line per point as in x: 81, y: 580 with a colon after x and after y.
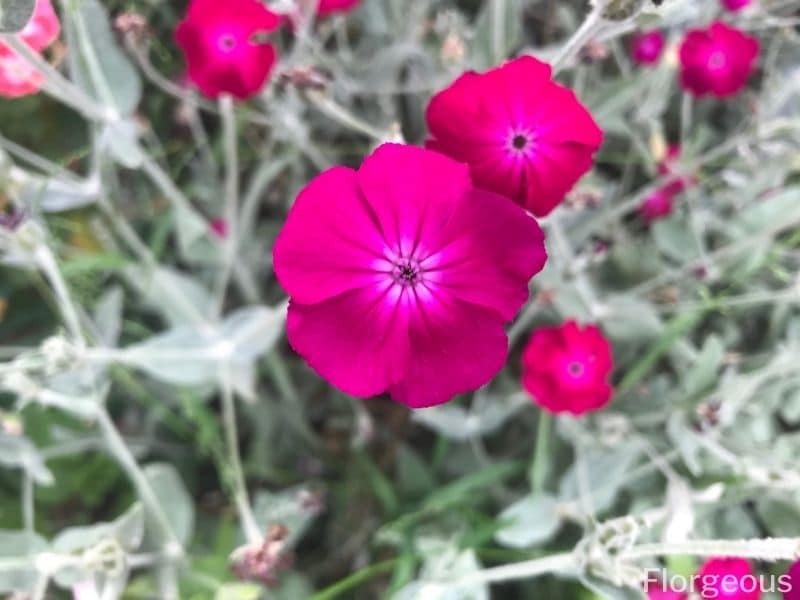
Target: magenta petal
x: 329, y: 243
x: 357, y: 341
x: 412, y: 192
x: 494, y: 251
x: 457, y: 347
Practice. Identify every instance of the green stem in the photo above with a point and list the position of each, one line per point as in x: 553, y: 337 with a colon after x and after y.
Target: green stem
x: 354, y: 580
x: 540, y: 465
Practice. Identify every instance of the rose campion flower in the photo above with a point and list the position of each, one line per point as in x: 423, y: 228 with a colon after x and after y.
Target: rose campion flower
x: 17, y: 77
x: 791, y: 582
x: 657, y: 205
x: 647, y: 47
x: 402, y: 274
x: 223, y: 45
x: 327, y: 7
x: 523, y: 135
x: 727, y: 579
x: 657, y: 593
x: 735, y: 5
x: 567, y: 368
x: 717, y: 61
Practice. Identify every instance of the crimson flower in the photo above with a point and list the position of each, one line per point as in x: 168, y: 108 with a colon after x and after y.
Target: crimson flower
x: 401, y: 276
x: 647, y: 47
x: 792, y: 578
x: 522, y: 135
x: 728, y: 579
x: 656, y: 593
x: 717, y: 60
x: 17, y: 76
x: 327, y: 7
x: 657, y: 205
x: 734, y: 5
x: 567, y: 368
x: 223, y: 43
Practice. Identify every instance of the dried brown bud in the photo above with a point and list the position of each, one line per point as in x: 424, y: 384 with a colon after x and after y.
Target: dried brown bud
x: 263, y: 561
x: 133, y: 26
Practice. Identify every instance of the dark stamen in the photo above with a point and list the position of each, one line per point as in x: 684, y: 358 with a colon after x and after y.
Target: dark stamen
x: 519, y: 141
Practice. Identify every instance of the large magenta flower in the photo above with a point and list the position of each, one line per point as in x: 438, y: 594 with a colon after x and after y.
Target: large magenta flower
x: 327, y: 7
x: 17, y: 77
x: 223, y: 43
x: 567, y: 368
x: 647, y: 47
x: 717, y: 60
x: 727, y: 579
x: 522, y: 134
x: 402, y: 274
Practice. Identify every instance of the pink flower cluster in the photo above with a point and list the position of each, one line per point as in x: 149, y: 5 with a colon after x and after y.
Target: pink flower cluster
x: 716, y: 61
x: 420, y: 257
x: 17, y: 76
x: 226, y: 45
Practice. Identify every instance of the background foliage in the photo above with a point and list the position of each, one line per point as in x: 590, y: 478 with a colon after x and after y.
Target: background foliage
x: 119, y: 177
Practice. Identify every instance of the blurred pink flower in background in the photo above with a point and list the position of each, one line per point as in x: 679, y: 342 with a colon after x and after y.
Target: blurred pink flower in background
x: 402, y: 275
x: 220, y: 41
x: 657, y: 205
x: 327, y: 7
x: 219, y: 227
x: 567, y: 368
x: 717, y: 61
x: 793, y: 577
x: 522, y: 134
x: 727, y: 579
x: 657, y: 593
x: 647, y: 47
x: 17, y: 76
x: 735, y: 5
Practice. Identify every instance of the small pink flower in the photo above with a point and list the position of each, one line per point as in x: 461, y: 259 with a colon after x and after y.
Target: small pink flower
x: 17, y: 77
x: 567, y: 368
x: 219, y: 227
x: 402, y: 275
x: 657, y: 205
x: 792, y: 582
x: 647, y: 47
x: 667, y: 167
x: 522, y: 135
x: 717, y: 60
x: 43, y: 28
x: 734, y: 5
x: 727, y: 579
x: 223, y: 45
x: 327, y: 7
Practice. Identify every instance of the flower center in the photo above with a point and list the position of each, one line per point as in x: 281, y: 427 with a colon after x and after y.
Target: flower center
x: 406, y: 272
x: 520, y: 143
x: 226, y: 42
x: 575, y: 368
x: 716, y: 60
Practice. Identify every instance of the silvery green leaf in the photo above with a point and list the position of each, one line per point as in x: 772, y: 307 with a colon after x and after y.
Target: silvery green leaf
x: 704, y: 373
x: 19, y: 452
x: 123, y: 535
x: 675, y: 239
x: 108, y: 316
x: 15, y: 14
x: 685, y: 441
x: 498, y: 31
x: 174, y: 499
x: 530, y: 521
x: 782, y: 518
x: 121, y: 140
x: 187, y: 304
x: 780, y: 208
x: 96, y: 62
x: 294, y: 508
x: 631, y: 320
x: 19, y: 575
x: 484, y: 417
x: 438, y: 574
x: 53, y: 195
x: 606, y: 470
